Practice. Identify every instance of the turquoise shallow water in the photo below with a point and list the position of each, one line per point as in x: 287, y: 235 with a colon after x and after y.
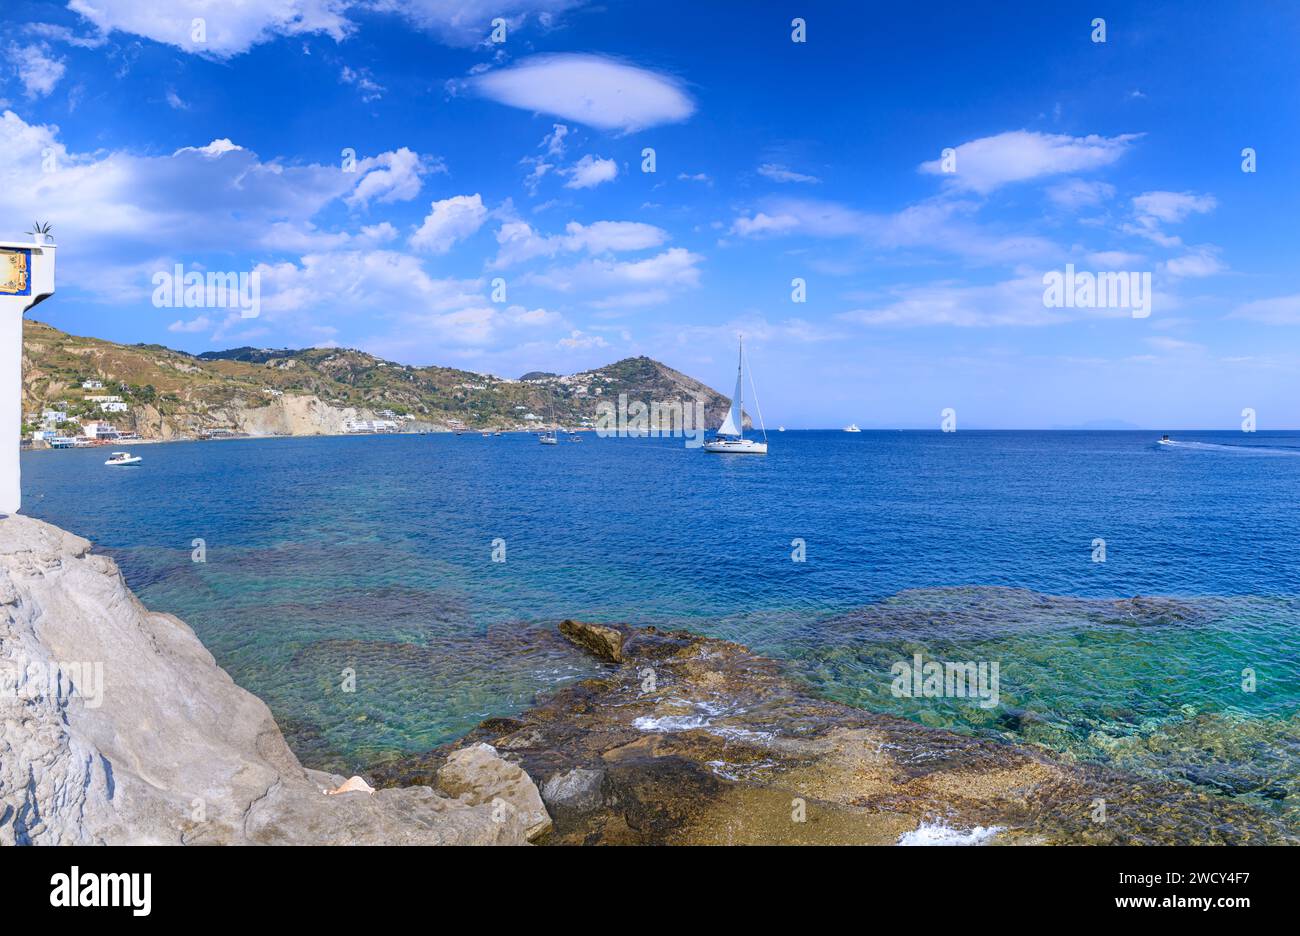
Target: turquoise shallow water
x: 375, y: 554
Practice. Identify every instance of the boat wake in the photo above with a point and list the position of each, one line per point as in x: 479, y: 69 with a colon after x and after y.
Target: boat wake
x: 1229, y: 448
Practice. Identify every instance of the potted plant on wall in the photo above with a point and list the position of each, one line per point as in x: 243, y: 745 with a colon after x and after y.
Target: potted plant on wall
x: 41, y: 233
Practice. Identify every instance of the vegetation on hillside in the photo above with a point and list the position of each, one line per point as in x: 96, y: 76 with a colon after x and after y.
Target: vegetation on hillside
x: 197, y: 392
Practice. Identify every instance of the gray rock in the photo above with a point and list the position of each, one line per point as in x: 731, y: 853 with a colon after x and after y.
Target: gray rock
x: 574, y: 794
x: 477, y: 775
x: 117, y: 726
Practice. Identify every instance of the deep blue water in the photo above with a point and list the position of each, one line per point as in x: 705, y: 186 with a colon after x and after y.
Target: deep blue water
x: 376, y: 553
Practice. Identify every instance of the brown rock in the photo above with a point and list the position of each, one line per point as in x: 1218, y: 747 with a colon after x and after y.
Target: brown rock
x: 603, y: 642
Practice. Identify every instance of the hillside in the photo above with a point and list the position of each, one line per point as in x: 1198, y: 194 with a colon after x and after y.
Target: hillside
x: 171, y: 394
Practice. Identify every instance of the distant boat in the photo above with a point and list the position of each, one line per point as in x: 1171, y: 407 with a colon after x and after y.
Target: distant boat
x: 1165, y: 440
x: 780, y: 428
x: 852, y: 427
x: 731, y: 434
x: 122, y: 459
x: 551, y: 436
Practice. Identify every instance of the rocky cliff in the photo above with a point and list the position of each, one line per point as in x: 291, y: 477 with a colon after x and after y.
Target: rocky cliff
x: 117, y: 726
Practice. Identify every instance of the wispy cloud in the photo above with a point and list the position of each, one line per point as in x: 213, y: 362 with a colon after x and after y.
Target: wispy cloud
x: 1153, y: 209
x: 779, y: 173
x: 36, y: 68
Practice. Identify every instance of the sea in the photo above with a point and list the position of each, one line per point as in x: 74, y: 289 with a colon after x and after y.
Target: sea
x: 383, y: 593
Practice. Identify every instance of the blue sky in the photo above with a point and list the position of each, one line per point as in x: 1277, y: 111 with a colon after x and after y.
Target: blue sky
x: 148, y: 144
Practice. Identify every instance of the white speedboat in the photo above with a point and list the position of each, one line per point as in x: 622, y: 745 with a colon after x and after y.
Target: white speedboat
x: 1165, y: 440
x: 730, y: 438
x: 852, y: 427
x: 122, y: 459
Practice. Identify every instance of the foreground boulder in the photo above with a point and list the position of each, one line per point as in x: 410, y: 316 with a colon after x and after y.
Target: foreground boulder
x: 117, y: 726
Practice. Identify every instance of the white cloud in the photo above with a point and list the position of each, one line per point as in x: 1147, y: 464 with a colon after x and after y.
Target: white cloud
x: 450, y: 220
x: 590, y: 171
x: 1173, y: 345
x: 1080, y: 193
x: 38, y: 72
x: 939, y: 224
x: 587, y: 89
x: 1152, y: 209
x: 778, y: 173
x: 469, y: 22
x: 235, y: 26
x: 1281, y: 310
x: 673, y: 269
x: 130, y: 215
x: 174, y: 100
x: 985, y: 164
x: 231, y: 28
x: 200, y: 324
x: 1202, y: 262
x: 1017, y: 301
x: 64, y: 34
x: 519, y: 242
x: 579, y: 340
x: 1115, y: 259
x: 1172, y: 207
x: 391, y: 177
x: 361, y: 78
x: 696, y: 177
x: 554, y: 141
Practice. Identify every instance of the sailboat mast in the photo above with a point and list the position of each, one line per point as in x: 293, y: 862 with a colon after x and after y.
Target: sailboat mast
x: 740, y: 388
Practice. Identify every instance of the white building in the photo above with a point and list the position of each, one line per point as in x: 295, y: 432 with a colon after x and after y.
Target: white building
x: 113, y: 407
x: 360, y: 426
x: 98, y: 429
x: 53, y: 417
x: 92, y: 385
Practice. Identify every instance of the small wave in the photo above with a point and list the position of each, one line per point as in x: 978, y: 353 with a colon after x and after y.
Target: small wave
x: 669, y: 723
x: 937, y: 834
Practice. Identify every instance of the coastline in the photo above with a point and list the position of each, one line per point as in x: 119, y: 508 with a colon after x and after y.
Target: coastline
x: 680, y: 739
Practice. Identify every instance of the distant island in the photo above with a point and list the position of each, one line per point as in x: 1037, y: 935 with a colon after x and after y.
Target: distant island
x: 89, y: 387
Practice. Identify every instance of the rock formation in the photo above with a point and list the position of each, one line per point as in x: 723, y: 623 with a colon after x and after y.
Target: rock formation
x: 693, y: 740
x: 117, y: 726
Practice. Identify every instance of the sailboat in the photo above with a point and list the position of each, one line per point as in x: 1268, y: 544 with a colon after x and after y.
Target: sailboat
x: 550, y: 438
x: 731, y: 434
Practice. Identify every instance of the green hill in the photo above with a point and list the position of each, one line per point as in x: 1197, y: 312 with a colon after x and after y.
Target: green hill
x: 263, y: 391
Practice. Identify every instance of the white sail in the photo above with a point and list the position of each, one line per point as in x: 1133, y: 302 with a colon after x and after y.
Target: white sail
x: 732, y: 424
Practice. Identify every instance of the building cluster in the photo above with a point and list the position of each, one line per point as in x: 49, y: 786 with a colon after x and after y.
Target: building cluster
x: 385, y: 421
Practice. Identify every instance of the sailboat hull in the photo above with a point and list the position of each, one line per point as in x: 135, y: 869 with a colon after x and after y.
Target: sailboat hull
x: 735, y: 447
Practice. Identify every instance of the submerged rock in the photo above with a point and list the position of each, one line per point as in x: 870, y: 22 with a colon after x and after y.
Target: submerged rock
x: 117, y: 726
x: 694, y: 740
